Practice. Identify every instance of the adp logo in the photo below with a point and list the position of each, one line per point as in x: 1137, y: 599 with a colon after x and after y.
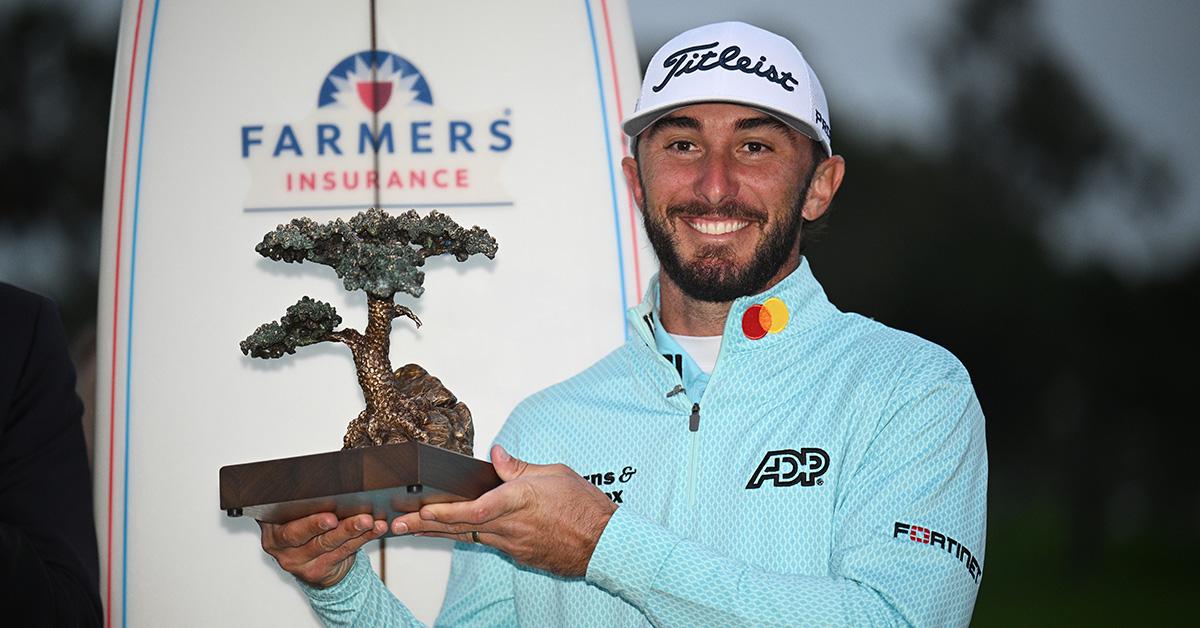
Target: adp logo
x: 788, y: 467
x: 376, y: 128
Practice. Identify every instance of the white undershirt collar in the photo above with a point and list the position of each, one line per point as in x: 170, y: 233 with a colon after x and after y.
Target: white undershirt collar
x: 702, y: 349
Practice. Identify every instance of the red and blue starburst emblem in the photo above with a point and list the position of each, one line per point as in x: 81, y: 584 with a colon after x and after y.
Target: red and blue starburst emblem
x: 374, y: 80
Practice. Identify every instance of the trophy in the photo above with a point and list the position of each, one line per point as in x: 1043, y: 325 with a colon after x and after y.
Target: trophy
x: 412, y: 443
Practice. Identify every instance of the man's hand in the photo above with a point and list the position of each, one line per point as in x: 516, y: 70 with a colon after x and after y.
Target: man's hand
x: 319, y: 549
x: 544, y: 516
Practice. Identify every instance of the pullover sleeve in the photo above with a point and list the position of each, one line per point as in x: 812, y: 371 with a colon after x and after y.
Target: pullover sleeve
x: 476, y: 595
x: 359, y: 599
x: 908, y: 537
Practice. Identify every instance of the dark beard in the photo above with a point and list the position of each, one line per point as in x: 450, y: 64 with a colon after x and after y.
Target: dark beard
x: 712, y: 276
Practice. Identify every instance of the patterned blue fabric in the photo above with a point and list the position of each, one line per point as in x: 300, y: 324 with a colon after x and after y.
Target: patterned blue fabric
x: 837, y: 476
x: 695, y: 380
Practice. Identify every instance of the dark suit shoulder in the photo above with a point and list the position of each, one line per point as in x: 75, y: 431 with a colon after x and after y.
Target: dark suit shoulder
x: 51, y: 568
x: 18, y: 311
x: 26, y: 319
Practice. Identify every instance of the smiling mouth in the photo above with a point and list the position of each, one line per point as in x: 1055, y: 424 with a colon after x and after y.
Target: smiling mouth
x: 716, y: 227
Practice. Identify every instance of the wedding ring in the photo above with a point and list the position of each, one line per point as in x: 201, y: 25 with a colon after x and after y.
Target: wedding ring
x: 475, y: 536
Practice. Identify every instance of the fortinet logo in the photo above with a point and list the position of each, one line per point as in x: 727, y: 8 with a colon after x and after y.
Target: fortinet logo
x: 919, y: 534
x: 788, y: 467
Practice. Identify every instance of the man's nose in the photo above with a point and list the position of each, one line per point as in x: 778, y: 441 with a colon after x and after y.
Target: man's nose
x: 717, y: 182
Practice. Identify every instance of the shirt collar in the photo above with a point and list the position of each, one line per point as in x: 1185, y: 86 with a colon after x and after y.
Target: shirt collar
x: 793, y: 306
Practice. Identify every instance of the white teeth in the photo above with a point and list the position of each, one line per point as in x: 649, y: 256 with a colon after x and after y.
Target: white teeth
x: 718, y: 227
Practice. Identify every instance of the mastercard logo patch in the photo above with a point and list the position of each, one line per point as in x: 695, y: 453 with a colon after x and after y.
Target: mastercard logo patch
x: 768, y: 317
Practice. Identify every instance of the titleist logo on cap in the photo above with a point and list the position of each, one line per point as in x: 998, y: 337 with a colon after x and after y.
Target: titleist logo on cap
x: 731, y: 58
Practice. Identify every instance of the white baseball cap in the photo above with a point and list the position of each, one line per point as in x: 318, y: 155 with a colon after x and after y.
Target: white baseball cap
x: 733, y: 62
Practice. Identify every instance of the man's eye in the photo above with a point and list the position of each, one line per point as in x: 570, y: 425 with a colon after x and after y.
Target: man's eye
x: 682, y: 146
x: 756, y: 147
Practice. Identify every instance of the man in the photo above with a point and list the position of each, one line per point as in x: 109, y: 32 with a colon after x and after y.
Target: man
x: 48, y: 562
x: 786, y: 463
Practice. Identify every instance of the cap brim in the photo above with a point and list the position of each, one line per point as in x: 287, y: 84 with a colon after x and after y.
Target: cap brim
x: 642, y: 120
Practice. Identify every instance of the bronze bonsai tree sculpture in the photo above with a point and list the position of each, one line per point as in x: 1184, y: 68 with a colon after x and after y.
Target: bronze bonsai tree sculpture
x: 381, y: 255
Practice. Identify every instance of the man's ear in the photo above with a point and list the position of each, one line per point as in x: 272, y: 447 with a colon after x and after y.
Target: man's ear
x: 630, y: 168
x: 825, y: 183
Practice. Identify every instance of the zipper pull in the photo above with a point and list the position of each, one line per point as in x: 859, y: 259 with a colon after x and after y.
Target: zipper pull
x: 675, y: 391
x: 694, y: 421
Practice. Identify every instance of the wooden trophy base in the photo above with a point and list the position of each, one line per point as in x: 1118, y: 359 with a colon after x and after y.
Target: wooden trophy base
x: 385, y: 481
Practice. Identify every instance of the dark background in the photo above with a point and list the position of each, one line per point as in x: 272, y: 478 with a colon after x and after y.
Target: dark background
x: 1083, y: 370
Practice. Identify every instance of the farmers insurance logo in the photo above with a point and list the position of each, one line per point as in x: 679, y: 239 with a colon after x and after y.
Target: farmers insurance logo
x: 429, y: 155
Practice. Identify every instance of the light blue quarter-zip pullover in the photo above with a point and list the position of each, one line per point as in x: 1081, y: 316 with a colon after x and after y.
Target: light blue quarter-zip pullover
x: 833, y: 473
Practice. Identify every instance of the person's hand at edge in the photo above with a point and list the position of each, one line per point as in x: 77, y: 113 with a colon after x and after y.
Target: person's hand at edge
x: 318, y: 549
x: 544, y: 516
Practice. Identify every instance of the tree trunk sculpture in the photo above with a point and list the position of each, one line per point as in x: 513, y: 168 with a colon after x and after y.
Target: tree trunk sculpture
x: 379, y: 254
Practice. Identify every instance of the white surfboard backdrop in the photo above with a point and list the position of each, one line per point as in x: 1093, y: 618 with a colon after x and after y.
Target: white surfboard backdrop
x: 232, y: 117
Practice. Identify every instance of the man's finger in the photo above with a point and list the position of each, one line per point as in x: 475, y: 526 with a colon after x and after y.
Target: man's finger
x: 299, y: 532
x: 413, y: 523
x: 425, y: 526
x: 510, y: 468
x: 324, y: 569
x: 465, y: 537
x: 350, y: 528
x: 492, y: 504
x: 349, y: 545
x: 405, y: 523
x: 507, y: 467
